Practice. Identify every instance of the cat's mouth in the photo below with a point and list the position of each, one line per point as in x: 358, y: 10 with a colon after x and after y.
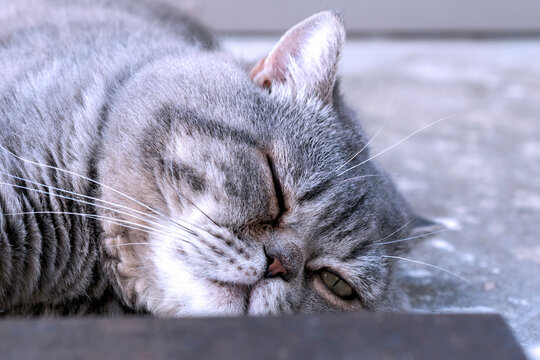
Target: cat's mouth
x: 247, y: 299
x: 262, y: 298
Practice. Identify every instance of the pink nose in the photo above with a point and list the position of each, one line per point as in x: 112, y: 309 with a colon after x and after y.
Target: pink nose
x: 275, y: 267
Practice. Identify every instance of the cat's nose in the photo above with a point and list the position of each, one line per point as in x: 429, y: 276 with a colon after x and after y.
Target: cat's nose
x: 275, y: 267
x: 283, y: 262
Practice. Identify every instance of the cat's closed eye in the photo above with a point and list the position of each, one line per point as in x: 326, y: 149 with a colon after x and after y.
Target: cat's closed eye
x: 278, y: 189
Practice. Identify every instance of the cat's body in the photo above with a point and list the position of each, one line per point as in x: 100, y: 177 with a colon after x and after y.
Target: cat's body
x: 206, y: 173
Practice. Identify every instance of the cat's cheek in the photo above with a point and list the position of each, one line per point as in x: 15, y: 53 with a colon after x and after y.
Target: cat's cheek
x: 186, y: 294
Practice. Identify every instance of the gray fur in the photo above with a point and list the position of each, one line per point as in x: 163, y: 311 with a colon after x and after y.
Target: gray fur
x: 141, y: 99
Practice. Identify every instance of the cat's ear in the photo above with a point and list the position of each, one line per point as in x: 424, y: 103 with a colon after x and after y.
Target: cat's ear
x: 423, y: 227
x: 305, y: 58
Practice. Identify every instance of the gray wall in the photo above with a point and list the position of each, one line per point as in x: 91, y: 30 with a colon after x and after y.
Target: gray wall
x: 365, y: 17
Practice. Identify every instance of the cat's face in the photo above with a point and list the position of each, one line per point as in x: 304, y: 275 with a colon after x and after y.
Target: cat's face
x: 240, y: 172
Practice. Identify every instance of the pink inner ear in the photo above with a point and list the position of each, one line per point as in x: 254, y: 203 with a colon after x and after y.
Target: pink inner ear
x: 263, y: 81
x: 306, y: 57
x: 273, y: 68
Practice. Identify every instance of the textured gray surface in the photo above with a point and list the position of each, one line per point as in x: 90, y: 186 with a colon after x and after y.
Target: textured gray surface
x: 478, y: 171
x: 337, y: 336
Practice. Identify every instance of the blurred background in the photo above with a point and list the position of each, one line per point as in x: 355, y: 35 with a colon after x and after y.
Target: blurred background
x: 407, y: 64
x: 393, y: 17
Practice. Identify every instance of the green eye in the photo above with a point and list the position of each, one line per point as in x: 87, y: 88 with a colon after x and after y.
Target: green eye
x: 337, y: 285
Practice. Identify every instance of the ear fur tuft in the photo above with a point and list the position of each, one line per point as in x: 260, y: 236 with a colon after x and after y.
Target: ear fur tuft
x: 306, y: 58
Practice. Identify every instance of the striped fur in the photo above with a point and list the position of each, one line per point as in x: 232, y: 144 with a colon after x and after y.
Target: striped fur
x: 144, y: 170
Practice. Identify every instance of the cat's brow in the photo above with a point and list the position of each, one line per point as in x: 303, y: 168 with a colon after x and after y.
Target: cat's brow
x: 332, y: 221
x: 215, y: 129
x: 315, y: 191
x: 321, y: 188
x: 357, y: 250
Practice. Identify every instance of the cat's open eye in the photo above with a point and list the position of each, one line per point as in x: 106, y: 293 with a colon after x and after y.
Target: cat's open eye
x: 337, y: 285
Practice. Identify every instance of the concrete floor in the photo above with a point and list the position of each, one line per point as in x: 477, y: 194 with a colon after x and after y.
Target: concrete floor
x: 478, y: 172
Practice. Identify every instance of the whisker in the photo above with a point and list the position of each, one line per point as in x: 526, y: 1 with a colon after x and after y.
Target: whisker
x: 161, y: 299
x: 395, y: 232
x: 135, y: 243
x: 147, y: 243
x: 430, y: 265
x: 180, y: 197
x: 138, y: 227
x: 88, y: 197
x: 93, y: 216
x: 83, y: 202
x: 412, y: 237
x: 362, y: 149
x: 88, y: 179
x: 196, y: 207
x: 140, y: 267
x: 193, y: 255
x: 362, y: 176
x: 396, y: 144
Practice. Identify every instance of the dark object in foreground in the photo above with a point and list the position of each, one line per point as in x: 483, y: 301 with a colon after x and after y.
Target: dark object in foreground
x: 337, y: 336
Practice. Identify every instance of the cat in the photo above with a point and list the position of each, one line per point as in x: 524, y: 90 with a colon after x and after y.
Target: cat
x: 143, y: 169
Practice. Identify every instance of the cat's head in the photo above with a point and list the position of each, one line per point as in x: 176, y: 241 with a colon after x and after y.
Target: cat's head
x: 234, y: 190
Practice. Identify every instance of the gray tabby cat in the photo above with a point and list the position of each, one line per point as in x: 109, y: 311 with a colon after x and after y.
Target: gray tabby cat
x: 142, y: 169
